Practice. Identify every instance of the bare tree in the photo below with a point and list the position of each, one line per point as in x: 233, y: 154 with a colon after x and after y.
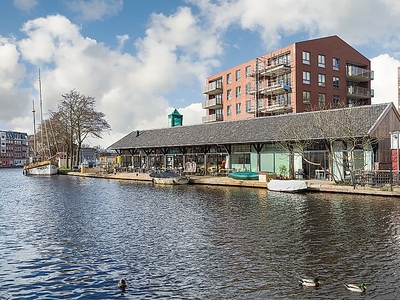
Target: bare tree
x: 344, y: 133
x: 80, y: 120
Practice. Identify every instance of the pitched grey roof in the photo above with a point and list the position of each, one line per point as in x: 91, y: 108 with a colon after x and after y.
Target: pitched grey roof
x: 334, y: 123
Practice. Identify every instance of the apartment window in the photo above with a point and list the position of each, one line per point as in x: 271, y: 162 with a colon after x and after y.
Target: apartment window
x: 229, y: 110
x: 259, y: 103
x: 237, y: 75
x: 350, y: 102
x: 306, y: 77
x: 248, y: 106
x: 336, y: 100
x: 228, y: 78
x: 238, y: 91
x: 336, y: 82
x: 248, y: 71
x: 306, y: 57
x: 335, y: 63
x: 306, y: 97
x: 321, y: 99
x: 238, y: 108
x: 229, y: 94
x: 248, y: 88
x: 321, y: 61
x: 321, y: 80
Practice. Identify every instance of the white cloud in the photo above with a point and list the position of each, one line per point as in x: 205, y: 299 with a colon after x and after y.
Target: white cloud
x: 91, y: 10
x: 25, y: 5
x: 122, y: 39
x: 373, y: 22
x: 129, y: 89
x: 177, y: 51
x: 12, y: 73
x: 385, y: 84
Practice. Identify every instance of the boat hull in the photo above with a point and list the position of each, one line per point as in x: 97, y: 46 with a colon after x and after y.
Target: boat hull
x: 171, y: 180
x: 290, y: 186
x: 244, y: 175
x: 41, y: 169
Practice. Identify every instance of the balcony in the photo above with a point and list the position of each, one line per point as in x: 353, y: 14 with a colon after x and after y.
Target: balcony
x: 212, y: 104
x: 276, y: 70
x: 276, y: 109
x: 359, y: 92
x: 358, y: 74
x: 276, y: 88
x: 212, y: 118
x: 213, y: 88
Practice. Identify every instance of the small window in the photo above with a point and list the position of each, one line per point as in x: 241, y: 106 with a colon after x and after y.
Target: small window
x: 336, y: 84
x: 237, y: 75
x: 248, y: 88
x: 228, y: 78
x: 238, y: 91
x: 306, y: 58
x: 321, y: 80
x: 229, y: 110
x: 336, y: 100
x: 248, y: 71
x: 335, y: 63
x: 321, y: 99
x: 306, y: 77
x: 321, y: 61
x: 248, y: 106
x: 229, y: 94
x: 238, y: 108
x: 306, y: 97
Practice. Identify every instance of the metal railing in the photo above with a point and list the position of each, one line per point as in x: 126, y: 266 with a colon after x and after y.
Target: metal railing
x: 377, y: 178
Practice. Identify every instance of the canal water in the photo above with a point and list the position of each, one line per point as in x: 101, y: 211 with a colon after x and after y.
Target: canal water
x: 66, y: 237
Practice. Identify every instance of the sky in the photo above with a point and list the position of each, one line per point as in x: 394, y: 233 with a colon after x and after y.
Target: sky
x: 141, y: 60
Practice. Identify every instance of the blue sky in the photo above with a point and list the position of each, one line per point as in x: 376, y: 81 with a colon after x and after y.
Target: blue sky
x: 143, y: 59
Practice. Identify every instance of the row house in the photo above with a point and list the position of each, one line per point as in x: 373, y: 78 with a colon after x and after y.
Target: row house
x: 14, y: 148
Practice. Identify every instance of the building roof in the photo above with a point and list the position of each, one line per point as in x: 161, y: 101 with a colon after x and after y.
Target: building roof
x: 360, y: 121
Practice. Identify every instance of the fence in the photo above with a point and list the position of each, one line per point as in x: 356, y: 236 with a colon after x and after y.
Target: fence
x: 377, y: 178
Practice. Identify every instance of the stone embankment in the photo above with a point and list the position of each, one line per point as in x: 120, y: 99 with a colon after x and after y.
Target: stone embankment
x: 313, y: 185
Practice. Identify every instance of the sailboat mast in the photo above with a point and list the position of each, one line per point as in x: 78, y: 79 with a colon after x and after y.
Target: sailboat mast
x: 34, y: 128
x: 41, y: 117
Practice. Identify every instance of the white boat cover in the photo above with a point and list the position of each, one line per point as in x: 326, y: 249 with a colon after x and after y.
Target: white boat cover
x: 287, y: 185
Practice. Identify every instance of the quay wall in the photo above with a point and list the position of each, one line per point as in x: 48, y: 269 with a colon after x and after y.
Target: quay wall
x: 313, y: 185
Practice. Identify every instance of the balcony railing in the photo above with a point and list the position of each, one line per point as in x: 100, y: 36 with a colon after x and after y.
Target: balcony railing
x: 276, y: 88
x: 274, y: 69
x: 212, y: 118
x: 212, y: 104
x: 359, y: 92
x: 213, y: 88
x: 359, y: 74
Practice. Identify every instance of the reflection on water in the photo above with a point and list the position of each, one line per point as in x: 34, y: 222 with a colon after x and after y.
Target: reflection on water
x: 74, y: 238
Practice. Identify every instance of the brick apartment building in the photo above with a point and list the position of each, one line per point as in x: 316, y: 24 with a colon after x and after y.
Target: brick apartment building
x: 14, y: 148
x: 310, y: 75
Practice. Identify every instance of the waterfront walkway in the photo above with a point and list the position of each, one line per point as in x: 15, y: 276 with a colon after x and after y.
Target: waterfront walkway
x: 313, y: 185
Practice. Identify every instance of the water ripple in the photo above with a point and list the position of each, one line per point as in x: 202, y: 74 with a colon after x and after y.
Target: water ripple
x: 74, y: 238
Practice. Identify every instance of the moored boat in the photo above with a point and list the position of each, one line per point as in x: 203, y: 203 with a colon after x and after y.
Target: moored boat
x: 47, y: 167
x: 169, y: 178
x: 246, y: 175
x: 40, y: 164
x: 290, y: 186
